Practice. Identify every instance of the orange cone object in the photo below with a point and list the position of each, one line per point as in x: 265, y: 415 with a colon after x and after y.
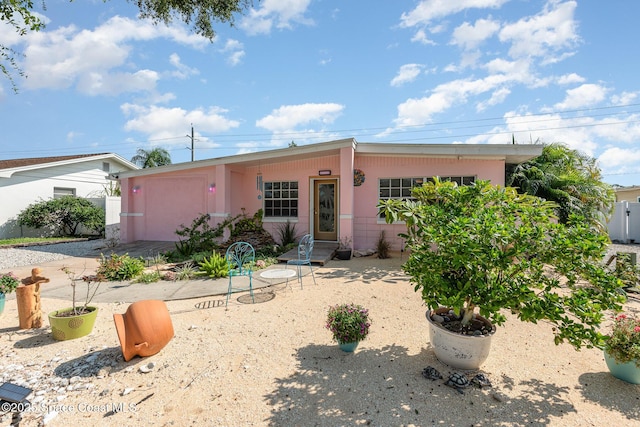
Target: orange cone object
x: 144, y: 329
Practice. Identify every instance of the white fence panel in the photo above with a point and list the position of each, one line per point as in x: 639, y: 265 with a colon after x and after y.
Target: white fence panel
x: 618, y: 231
x: 112, y: 218
x: 634, y: 222
x: 624, y: 224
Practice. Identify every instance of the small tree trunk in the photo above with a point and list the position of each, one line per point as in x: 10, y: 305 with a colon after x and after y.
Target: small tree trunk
x: 28, y: 300
x: 29, y: 306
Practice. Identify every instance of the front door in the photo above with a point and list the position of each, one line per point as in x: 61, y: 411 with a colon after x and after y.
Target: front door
x: 325, y: 209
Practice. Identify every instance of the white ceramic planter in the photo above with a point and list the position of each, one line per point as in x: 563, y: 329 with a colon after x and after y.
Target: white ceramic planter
x: 456, y: 350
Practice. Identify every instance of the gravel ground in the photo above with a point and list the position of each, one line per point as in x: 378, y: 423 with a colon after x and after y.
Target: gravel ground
x: 40, y: 254
x: 274, y: 364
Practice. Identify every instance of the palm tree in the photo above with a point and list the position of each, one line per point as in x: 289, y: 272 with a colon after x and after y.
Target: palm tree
x: 568, y: 177
x: 151, y: 158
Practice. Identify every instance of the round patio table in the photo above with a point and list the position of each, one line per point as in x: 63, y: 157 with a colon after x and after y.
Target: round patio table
x: 278, y: 273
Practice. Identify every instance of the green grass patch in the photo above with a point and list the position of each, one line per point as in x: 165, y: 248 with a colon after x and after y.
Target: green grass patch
x: 35, y: 240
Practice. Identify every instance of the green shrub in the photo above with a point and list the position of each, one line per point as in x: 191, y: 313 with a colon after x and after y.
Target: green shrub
x: 200, y: 236
x: 186, y: 271
x: 148, y: 277
x: 215, y: 266
x: 287, y: 233
x: 63, y: 216
x: 120, y: 267
x: 383, y: 246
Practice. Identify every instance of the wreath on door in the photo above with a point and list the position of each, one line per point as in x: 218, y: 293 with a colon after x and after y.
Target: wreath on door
x: 358, y: 177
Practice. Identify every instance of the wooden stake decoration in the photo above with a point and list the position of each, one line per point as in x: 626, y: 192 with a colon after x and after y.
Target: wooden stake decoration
x: 28, y: 300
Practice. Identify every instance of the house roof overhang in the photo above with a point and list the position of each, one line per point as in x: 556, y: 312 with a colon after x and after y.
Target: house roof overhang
x: 10, y: 167
x: 511, y: 154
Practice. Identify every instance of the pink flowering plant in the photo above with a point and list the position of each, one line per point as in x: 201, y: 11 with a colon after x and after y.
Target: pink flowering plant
x: 348, y: 323
x: 8, y: 282
x: 623, y: 344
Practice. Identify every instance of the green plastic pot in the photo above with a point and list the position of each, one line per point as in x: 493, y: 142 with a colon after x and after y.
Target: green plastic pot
x: 71, y: 327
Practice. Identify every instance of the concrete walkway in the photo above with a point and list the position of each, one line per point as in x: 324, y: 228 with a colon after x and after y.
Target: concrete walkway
x: 59, y: 285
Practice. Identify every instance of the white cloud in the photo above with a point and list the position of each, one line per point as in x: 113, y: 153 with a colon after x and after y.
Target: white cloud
x: 421, y: 37
x: 570, y: 79
x: 168, y: 124
x: 68, y: 56
x: 428, y: 10
x: 625, y: 98
x: 420, y: 111
x: 586, y: 95
x: 182, y: 71
x: 497, y: 97
x: 279, y: 13
x: 615, y: 160
x: 543, y: 35
x: 235, y: 51
x: 290, y: 117
x: 470, y: 36
x: 407, y: 74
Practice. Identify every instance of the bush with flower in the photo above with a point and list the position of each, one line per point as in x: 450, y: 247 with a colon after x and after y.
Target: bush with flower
x: 8, y: 282
x: 623, y: 344
x: 348, y: 323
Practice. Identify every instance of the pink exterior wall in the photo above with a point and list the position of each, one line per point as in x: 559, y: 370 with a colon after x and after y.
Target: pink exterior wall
x: 367, y: 225
x: 164, y: 201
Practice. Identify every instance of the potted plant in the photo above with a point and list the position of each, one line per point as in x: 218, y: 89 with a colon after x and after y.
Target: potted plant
x: 344, y: 249
x: 8, y: 283
x: 78, y: 320
x: 622, y: 348
x: 480, y: 250
x: 349, y: 324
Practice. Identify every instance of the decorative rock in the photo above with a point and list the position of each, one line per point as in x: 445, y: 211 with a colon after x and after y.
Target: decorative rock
x: 127, y: 391
x: 49, y: 417
x: 437, y: 318
x: 147, y: 368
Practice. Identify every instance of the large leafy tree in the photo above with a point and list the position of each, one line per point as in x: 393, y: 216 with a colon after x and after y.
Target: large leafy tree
x: 568, y: 177
x: 199, y: 14
x: 151, y: 158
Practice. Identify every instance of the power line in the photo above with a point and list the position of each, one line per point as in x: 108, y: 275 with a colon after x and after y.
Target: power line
x: 417, y: 128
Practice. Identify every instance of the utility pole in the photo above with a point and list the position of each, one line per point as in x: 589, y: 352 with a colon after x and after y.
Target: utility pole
x: 192, y: 145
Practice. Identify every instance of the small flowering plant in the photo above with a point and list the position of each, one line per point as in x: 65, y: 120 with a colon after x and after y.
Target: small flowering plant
x: 348, y: 323
x: 8, y: 282
x: 623, y: 344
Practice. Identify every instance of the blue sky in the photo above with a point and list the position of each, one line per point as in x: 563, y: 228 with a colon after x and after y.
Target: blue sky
x: 432, y: 71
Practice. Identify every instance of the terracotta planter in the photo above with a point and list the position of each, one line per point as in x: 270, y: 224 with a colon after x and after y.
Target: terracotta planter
x: 72, y: 327
x: 628, y: 371
x: 457, y: 350
x: 144, y: 329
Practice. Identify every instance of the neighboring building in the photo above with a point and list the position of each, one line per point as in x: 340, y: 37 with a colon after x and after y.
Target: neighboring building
x: 26, y: 181
x: 628, y: 194
x: 329, y: 189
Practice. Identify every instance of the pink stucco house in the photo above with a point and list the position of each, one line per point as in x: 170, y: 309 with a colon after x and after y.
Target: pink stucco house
x: 329, y: 189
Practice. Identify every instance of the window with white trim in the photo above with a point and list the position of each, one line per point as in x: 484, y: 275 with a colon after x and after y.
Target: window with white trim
x: 61, y: 191
x: 281, y: 199
x: 400, y: 188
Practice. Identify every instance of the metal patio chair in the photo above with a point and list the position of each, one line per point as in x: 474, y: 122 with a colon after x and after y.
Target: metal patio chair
x: 240, y: 257
x: 305, y: 249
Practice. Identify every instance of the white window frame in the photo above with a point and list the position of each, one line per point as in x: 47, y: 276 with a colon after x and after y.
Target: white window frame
x: 63, y: 191
x: 280, y: 196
